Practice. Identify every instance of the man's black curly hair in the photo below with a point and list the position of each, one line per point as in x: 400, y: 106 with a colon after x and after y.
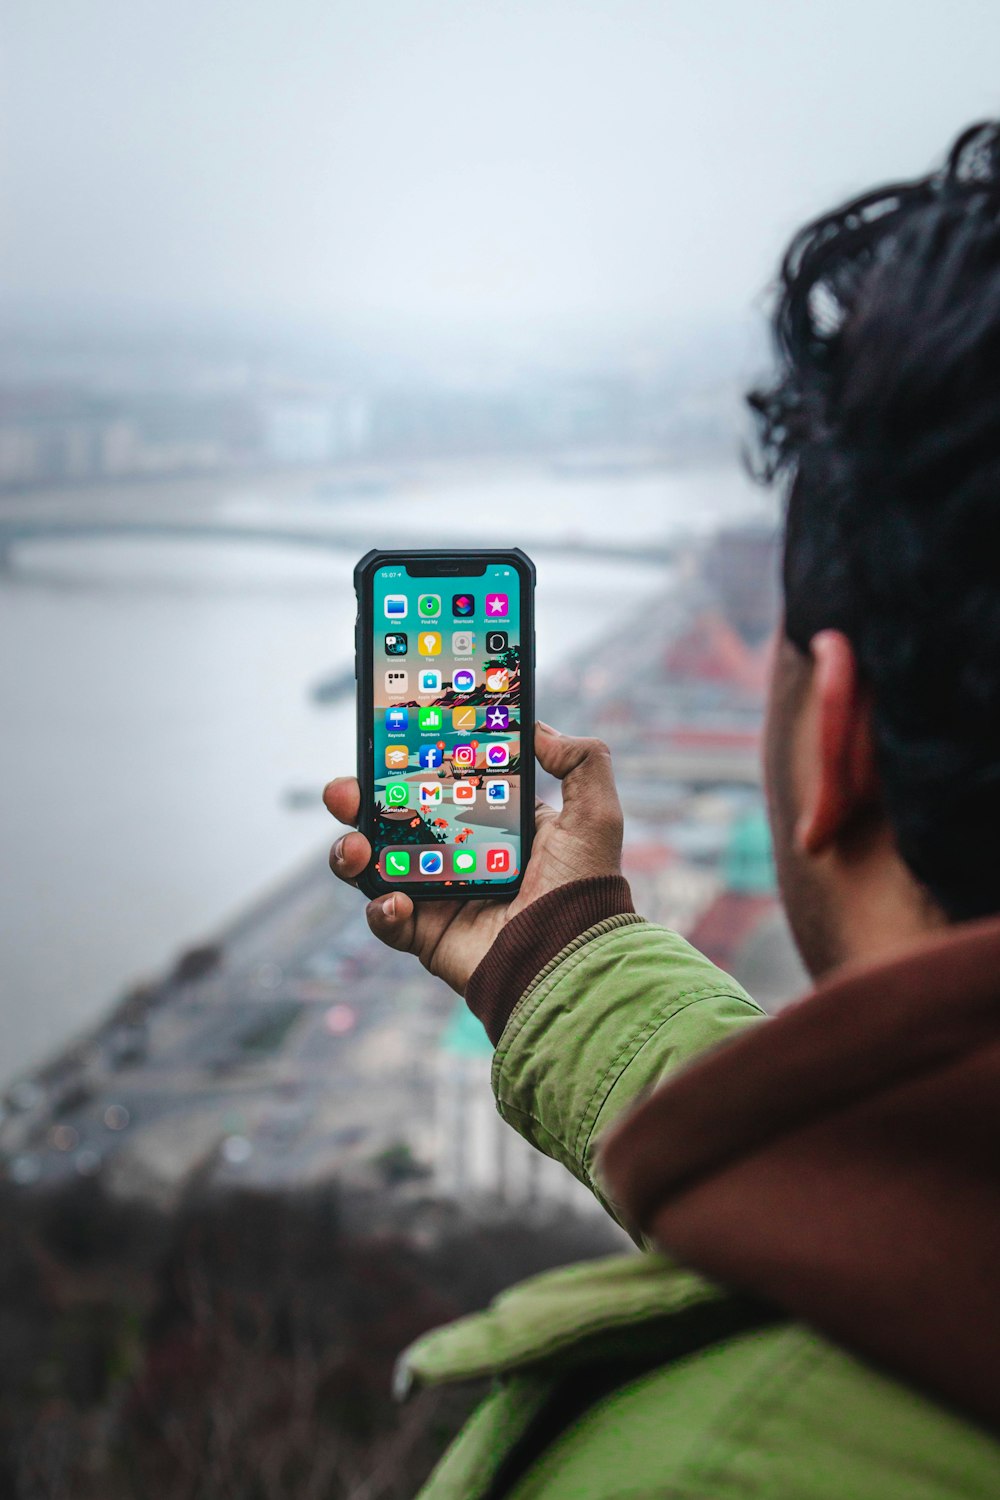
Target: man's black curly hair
x: 884, y: 424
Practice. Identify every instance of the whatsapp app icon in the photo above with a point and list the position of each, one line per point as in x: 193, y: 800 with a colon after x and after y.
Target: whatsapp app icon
x: 397, y: 794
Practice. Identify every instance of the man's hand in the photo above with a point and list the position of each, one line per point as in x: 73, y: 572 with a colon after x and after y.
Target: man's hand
x: 451, y: 937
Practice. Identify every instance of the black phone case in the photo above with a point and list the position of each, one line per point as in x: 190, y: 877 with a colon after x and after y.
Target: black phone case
x: 369, y: 881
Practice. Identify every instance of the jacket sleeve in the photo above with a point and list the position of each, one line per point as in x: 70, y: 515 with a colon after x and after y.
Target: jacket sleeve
x: 604, y: 1020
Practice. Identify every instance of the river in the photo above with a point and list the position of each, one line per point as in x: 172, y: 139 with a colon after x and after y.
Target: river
x: 157, y: 709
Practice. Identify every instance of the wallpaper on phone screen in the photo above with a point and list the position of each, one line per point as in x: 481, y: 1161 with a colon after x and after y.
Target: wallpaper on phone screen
x: 447, y: 726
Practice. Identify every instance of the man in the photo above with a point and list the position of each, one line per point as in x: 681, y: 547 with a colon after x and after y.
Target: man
x: 818, y: 1313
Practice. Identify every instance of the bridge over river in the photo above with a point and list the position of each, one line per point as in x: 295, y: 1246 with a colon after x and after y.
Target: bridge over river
x: 17, y: 530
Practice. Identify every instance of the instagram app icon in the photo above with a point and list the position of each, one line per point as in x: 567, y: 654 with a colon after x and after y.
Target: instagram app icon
x: 463, y: 757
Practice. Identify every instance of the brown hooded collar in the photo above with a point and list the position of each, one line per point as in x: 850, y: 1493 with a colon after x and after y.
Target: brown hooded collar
x: 843, y: 1161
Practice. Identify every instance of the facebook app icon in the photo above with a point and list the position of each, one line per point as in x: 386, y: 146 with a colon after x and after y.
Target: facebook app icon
x: 430, y: 757
x: 396, y: 719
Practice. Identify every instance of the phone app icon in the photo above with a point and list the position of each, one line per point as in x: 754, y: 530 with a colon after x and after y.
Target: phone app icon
x: 396, y: 643
x: 430, y: 757
x: 397, y: 862
x: 498, y: 861
x: 463, y: 642
x: 429, y: 680
x: 429, y: 643
x: 463, y: 757
x: 397, y: 794
x: 497, y: 793
x: 498, y: 680
x: 431, y: 719
x: 397, y: 683
x: 430, y: 794
x: 431, y: 861
x: 463, y: 606
x: 395, y: 606
x: 464, y: 717
x: 496, y: 606
x: 464, y: 793
x: 497, y: 718
x: 464, y: 861
x: 397, y: 719
x: 496, y: 641
x: 463, y: 679
x: 397, y: 757
x: 497, y: 756
x: 429, y: 605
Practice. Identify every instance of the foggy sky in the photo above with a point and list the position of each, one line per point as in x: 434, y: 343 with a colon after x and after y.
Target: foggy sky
x: 490, y: 162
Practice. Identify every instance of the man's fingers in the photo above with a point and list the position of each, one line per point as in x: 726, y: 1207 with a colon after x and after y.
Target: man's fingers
x: 590, y: 797
x: 392, y: 920
x: 543, y: 812
x: 342, y: 797
x: 349, y: 855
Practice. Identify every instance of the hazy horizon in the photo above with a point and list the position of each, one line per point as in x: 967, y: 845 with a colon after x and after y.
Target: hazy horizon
x: 490, y: 172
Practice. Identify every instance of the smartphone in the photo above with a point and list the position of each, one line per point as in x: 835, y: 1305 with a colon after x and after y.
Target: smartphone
x: 445, y: 657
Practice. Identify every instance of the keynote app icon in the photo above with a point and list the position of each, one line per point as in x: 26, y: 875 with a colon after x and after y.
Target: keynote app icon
x: 396, y: 720
x: 497, y: 718
x: 496, y: 606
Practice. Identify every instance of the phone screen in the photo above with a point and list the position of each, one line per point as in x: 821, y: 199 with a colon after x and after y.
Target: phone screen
x: 447, y: 695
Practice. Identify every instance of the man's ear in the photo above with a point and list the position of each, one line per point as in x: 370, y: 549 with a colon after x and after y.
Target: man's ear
x: 837, y: 773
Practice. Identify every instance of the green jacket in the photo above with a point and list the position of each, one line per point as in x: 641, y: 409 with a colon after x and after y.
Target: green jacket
x: 632, y: 1376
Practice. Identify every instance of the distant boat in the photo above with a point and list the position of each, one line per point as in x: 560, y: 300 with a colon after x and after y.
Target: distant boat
x: 338, y: 685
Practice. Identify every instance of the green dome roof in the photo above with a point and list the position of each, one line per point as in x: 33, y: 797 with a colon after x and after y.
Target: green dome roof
x: 464, y: 1035
x: 749, y: 859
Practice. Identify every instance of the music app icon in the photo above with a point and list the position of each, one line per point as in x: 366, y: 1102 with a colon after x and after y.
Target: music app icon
x: 498, y: 861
